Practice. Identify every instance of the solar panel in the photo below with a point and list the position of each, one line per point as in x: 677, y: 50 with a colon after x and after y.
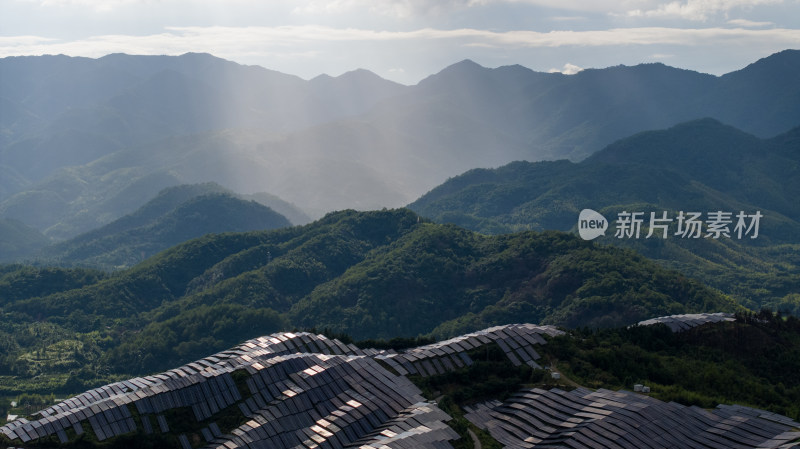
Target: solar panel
x: 677, y: 424
x: 356, y: 399
x: 679, y: 323
x: 162, y: 423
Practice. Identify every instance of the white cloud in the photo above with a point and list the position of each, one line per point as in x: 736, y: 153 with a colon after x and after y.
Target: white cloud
x: 393, y: 8
x: 96, y: 5
x: 23, y: 42
x: 635, y: 36
x: 596, y: 6
x: 567, y: 18
x: 697, y: 10
x: 300, y: 40
x: 617, y: 36
x: 749, y: 23
x: 419, y: 8
x: 405, y: 9
x: 568, y: 69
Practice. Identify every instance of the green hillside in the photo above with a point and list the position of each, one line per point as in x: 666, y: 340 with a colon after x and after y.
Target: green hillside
x: 447, y: 280
x: 701, y: 166
x: 380, y: 274
x: 176, y: 215
x: 754, y: 361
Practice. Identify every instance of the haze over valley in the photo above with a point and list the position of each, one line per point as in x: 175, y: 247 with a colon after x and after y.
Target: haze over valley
x: 86, y: 141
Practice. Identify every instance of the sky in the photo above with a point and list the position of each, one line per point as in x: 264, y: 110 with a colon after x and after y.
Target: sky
x: 408, y: 40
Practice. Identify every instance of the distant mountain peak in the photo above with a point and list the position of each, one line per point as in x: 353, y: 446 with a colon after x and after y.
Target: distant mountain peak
x: 464, y: 66
x: 692, y: 140
x: 322, y: 77
x: 781, y: 57
x: 192, y: 54
x: 643, y: 69
x: 355, y: 79
x: 782, y: 63
x: 359, y: 74
x: 464, y: 69
x: 467, y: 63
x: 353, y: 76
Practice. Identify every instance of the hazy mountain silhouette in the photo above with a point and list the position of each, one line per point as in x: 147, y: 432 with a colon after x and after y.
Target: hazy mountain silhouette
x: 18, y: 240
x: 174, y: 216
x: 102, y: 126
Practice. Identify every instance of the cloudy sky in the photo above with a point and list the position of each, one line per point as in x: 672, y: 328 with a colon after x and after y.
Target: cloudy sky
x: 407, y: 40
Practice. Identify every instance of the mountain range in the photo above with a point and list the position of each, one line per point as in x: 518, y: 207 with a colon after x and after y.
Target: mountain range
x: 698, y: 165
x: 701, y: 166
x: 86, y: 141
x: 156, y: 202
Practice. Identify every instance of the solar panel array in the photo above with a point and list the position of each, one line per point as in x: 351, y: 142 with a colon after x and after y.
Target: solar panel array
x: 679, y: 323
x: 422, y: 424
x: 313, y: 400
x: 516, y: 340
x: 585, y: 418
x: 301, y: 390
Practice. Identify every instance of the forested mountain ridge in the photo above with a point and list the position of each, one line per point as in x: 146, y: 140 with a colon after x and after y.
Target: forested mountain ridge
x: 761, y: 172
x: 176, y: 215
x: 674, y: 168
x: 105, y: 135
x: 380, y: 274
x: 701, y: 166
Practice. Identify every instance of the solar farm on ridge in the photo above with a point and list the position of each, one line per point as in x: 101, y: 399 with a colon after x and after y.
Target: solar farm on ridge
x: 305, y: 390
